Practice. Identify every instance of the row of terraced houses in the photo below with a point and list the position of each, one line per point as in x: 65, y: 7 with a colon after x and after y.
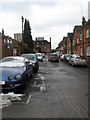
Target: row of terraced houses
x: 78, y: 41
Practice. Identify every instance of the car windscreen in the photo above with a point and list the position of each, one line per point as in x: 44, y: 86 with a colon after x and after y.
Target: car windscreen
x: 39, y: 55
x: 83, y: 57
x: 77, y: 57
x: 67, y: 55
x: 30, y: 57
x: 8, y: 59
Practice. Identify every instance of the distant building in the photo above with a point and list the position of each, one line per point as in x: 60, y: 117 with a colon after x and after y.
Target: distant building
x: 64, y: 45
x: 42, y: 45
x: 39, y: 38
x: 75, y: 38
x: 69, y: 43
x: 89, y: 10
x: 18, y: 36
x: 7, y: 47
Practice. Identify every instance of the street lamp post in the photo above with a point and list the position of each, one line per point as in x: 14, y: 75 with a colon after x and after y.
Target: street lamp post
x: 22, y: 32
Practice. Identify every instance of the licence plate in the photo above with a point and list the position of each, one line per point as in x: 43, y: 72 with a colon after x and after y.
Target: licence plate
x: 81, y: 60
x: 2, y: 82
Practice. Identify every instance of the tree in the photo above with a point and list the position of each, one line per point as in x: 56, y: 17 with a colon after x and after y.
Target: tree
x: 28, y: 44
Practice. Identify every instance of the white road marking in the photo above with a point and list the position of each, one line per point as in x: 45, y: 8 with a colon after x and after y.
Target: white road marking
x: 28, y: 99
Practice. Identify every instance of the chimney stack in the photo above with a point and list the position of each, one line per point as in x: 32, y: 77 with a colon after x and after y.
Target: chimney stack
x: 2, y: 33
x: 83, y: 20
x: 50, y: 43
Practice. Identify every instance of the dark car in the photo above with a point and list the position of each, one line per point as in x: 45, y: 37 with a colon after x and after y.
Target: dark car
x: 53, y: 57
x: 15, y: 73
x: 33, y: 59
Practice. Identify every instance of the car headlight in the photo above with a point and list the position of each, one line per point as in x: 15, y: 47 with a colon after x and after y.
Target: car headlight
x: 18, y: 77
x: 33, y: 64
x: 10, y: 77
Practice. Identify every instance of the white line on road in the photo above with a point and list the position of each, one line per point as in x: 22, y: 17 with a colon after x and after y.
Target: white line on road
x: 28, y: 99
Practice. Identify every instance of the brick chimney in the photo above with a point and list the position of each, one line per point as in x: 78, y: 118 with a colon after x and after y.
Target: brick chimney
x: 83, y: 20
x: 50, y: 43
x: 2, y: 33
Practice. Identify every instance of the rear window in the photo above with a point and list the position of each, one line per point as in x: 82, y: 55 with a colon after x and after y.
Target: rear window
x: 83, y: 57
x: 77, y: 57
x: 54, y: 55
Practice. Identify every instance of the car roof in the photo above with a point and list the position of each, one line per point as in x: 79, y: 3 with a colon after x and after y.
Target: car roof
x: 29, y: 54
x: 16, y: 57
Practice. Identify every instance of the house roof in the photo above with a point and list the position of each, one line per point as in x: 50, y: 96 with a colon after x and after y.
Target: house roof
x: 45, y: 42
x: 83, y: 26
x: 77, y: 28
x: 70, y: 35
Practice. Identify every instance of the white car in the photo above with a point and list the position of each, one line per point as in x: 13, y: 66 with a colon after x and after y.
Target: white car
x: 77, y: 60
x: 39, y: 57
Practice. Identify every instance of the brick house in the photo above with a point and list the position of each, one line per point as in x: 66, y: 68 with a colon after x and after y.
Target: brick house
x: 7, y: 46
x: 84, y: 39
x: 64, y: 45
x: 75, y: 39
x: 69, y: 43
x: 42, y: 45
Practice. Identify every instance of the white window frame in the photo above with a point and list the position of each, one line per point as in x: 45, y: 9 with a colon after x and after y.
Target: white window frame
x: 8, y: 41
x: 87, y: 33
x: 8, y: 46
x: 11, y: 41
x: 5, y: 41
x: 81, y: 51
x: 80, y: 35
x: 88, y: 50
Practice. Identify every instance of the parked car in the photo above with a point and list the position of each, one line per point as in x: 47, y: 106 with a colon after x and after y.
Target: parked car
x: 62, y: 57
x: 43, y: 54
x: 53, y: 57
x: 49, y: 57
x: 58, y: 53
x: 39, y: 57
x: 77, y: 60
x: 66, y: 57
x: 15, y: 73
x: 33, y: 59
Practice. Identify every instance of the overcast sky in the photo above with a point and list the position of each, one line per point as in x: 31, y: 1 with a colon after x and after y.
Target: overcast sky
x: 48, y: 18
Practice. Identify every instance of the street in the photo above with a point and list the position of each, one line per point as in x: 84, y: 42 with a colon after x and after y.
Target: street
x: 58, y: 90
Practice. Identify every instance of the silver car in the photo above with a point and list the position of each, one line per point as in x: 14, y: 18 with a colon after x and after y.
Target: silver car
x: 77, y: 60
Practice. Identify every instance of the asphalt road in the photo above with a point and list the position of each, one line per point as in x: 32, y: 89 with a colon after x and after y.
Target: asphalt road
x: 58, y: 90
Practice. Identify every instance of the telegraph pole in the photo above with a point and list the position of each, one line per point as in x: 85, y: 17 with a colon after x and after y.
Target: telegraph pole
x: 22, y: 32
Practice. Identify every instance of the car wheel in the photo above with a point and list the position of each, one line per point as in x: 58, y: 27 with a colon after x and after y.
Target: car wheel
x: 25, y: 84
x: 36, y: 70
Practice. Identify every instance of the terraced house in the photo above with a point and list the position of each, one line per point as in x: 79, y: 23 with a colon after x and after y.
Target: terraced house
x: 75, y: 39
x: 77, y: 42
x: 84, y: 39
x: 69, y: 43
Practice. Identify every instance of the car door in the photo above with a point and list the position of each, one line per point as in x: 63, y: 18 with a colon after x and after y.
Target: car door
x: 71, y: 59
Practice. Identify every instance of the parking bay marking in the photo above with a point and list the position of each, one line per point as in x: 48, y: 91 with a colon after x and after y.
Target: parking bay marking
x: 28, y: 100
